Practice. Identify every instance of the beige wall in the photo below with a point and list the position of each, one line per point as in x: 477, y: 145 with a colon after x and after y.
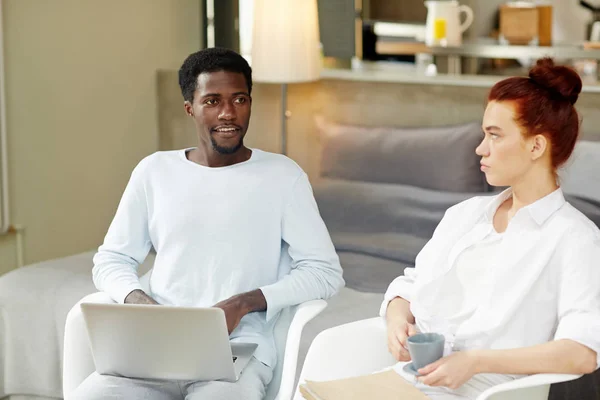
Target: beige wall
x: 82, y: 110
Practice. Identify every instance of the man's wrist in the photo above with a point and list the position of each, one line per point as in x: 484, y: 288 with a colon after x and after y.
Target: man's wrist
x: 138, y: 296
x: 252, y: 301
x: 132, y: 296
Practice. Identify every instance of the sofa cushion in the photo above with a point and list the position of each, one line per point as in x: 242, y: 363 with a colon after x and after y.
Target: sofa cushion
x: 580, y: 176
x: 439, y: 158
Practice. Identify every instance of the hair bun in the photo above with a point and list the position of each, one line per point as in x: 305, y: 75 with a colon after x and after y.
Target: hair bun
x: 557, y: 78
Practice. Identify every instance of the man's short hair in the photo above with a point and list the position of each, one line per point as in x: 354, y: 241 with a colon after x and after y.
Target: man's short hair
x: 213, y: 59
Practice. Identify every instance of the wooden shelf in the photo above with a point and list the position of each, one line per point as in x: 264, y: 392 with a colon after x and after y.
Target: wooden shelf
x: 394, y: 47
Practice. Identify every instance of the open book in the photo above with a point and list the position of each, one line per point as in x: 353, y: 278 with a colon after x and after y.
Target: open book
x: 386, y: 385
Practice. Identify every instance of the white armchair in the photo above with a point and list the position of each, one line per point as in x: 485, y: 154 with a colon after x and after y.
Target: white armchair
x: 78, y: 363
x: 360, y: 348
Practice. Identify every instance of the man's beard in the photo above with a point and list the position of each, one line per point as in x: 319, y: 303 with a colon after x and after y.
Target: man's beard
x: 226, y: 150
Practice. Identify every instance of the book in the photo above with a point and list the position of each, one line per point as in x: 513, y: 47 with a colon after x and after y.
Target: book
x: 385, y: 385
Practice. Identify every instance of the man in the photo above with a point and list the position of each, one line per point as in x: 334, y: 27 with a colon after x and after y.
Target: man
x: 233, y: 227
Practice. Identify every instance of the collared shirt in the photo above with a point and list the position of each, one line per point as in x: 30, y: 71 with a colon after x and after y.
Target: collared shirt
x: 545, y: 276
x: 466, y: 283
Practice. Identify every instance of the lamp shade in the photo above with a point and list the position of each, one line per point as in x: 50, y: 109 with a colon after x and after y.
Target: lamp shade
x: 285, y: 41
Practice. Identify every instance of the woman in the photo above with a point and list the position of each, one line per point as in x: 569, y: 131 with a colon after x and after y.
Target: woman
x: 513, y: 280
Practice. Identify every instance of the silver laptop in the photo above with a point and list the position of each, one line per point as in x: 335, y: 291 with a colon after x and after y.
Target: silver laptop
x: 164, y: 342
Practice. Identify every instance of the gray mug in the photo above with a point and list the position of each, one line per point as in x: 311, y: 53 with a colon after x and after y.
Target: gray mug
x: 425, y: 348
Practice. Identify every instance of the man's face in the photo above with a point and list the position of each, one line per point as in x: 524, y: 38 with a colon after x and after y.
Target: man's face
x: 221, y: 110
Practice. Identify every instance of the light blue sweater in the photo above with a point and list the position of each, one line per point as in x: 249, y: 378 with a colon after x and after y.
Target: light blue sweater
x: 219, y: 232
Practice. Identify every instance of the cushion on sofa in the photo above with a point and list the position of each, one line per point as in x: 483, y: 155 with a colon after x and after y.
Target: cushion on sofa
x: 439, y: 158
x: 581, y: 175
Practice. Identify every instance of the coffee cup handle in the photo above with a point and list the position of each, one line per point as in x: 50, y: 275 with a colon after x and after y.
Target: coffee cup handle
x: 469, y: 14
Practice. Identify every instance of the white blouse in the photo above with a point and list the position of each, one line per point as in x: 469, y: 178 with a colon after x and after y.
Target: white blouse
x: 541, y: 280
x: 465, y: 285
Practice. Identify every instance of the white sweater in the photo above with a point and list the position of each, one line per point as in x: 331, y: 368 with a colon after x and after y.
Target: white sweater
x: 218, y: 232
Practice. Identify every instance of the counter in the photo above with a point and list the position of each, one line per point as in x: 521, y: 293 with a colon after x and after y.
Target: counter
x: 406, y: 73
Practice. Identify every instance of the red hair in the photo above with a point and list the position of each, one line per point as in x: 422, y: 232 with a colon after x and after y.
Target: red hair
x: 545, y: 105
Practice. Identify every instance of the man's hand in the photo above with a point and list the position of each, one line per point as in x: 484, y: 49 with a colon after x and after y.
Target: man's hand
x: 139, y: 297
x: 238, y: 306
x: 398, y: 331
x: 451, y: 371
x: 234, y: 311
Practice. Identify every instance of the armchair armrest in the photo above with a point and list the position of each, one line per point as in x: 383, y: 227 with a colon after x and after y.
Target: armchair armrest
x: 360, y: 348
x: 303, y: 314
x: 353, y: 349
x: 78, y: 362
x: 530, y: 387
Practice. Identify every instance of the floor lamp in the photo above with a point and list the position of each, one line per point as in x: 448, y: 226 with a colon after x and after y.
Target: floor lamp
x: 285, y: 47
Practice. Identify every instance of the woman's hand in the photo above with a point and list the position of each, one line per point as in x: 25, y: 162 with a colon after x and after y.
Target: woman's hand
x: 451, y: 371
x: 398, y: 331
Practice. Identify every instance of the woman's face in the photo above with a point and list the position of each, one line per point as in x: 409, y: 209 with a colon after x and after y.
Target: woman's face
x: 506, y: 156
